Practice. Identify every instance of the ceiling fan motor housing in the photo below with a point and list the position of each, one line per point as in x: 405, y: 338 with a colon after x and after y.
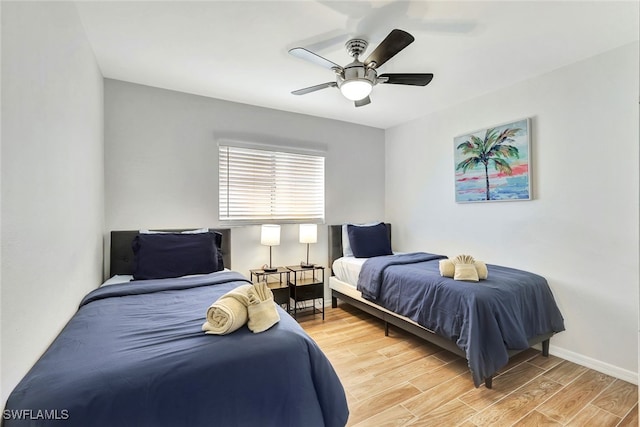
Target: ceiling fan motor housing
x: 357, y: 71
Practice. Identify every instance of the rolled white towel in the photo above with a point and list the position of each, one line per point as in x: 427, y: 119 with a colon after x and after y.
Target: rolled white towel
x: 229, y: 313
x: 262, y: 309
x: 481, y: 268
x: 259, y: 292
x: 447, y: 268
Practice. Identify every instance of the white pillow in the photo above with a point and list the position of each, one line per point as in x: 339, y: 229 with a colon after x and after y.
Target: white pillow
x: 346, y: 244
x: 118, y: 278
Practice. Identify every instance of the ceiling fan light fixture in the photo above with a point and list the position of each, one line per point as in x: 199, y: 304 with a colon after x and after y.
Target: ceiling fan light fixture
x: 357, y: 89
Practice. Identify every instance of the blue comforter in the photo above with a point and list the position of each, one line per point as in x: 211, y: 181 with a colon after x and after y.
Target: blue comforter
x: 134, y: 355
x: 485, y: 319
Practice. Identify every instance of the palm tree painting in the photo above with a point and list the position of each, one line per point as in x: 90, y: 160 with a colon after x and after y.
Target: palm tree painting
x: 493, y: 164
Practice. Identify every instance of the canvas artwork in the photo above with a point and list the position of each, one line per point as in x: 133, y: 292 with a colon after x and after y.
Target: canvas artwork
x: 493, y: 164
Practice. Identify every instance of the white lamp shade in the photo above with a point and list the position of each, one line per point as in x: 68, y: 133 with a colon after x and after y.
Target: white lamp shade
x: 308, y: 233
x: 355, y: 90
x: 270, y: 235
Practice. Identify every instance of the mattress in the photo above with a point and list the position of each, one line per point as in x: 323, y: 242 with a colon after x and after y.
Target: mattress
x: 117, y: 279
x: 345, y: 279
x: 124, y: 278
x: 347, y: 269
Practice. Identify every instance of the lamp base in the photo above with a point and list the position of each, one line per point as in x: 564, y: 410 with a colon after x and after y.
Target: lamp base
x: 269, y: 269
x: 306, y: 265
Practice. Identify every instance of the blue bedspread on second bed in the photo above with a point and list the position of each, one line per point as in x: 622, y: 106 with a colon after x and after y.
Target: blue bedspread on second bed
x: 485, y: 319
x: 135, y: 355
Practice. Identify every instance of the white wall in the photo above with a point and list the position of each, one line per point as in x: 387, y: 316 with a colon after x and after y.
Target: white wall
x: 581, y: 229
x: 161, y: 166
x: 160, y: 163
x: 52, y: 178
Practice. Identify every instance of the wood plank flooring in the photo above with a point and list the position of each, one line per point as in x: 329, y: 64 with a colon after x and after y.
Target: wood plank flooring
x: 401, y: 380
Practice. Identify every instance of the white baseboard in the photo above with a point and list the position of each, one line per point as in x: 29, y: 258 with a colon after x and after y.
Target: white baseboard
x: 605, y: 368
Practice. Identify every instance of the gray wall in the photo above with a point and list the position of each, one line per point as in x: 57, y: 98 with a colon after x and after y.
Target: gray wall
x: 581, y: 229
x: 52, y: 178
x: 161, y: 165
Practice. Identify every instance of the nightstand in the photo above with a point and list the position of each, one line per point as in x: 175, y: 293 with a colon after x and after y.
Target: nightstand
x: 307, y: 284
x: 277, y: 281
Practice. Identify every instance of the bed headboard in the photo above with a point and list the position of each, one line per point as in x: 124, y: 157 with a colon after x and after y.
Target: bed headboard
x: 335, y: 242
x: 121, y: 253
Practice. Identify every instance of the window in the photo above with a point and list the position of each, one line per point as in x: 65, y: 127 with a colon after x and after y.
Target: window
x: 259, y: 185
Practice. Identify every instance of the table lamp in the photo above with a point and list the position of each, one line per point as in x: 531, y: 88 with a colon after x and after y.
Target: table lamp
x: 308, y: 234
x: 270, y: 236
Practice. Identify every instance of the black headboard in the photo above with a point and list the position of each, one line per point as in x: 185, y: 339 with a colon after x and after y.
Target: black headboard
x: 335, y: 242
x: 122, y: 253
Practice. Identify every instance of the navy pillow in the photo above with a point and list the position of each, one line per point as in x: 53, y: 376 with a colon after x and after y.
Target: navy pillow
x: 370, y: 241
x: 159, y: 256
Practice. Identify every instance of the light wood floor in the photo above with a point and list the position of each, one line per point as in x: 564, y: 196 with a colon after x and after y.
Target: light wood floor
x: 401, y: 380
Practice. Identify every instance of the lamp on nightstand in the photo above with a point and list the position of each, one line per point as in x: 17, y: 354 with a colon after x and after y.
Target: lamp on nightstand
x: 308, y: 234
x: 270, y: 236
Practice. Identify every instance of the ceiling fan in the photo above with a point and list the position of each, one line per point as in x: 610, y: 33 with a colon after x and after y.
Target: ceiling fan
x: 356, y: 80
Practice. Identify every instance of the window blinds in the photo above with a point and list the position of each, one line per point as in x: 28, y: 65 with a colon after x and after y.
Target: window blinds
x: 261, y: 185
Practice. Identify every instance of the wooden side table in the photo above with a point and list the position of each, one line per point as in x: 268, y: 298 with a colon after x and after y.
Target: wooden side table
x: 277, y: 281
x: 307, y: 284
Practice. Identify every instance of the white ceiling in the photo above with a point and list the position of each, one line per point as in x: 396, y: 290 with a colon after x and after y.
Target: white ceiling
x: 237, y: 50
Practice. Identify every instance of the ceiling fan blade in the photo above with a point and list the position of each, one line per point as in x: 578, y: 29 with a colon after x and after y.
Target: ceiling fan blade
x: 307, y: 55
x: 414, y: 79
x: 390, y: 46
x: 363, y: 102
x: 314, y: 88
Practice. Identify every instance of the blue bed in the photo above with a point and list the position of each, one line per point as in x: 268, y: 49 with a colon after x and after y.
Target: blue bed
x: 134, y: 354
x: 486, y: 322
x: 485, y: 319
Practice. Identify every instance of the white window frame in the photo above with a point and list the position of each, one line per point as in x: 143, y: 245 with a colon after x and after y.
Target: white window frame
x: 260, y: 184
